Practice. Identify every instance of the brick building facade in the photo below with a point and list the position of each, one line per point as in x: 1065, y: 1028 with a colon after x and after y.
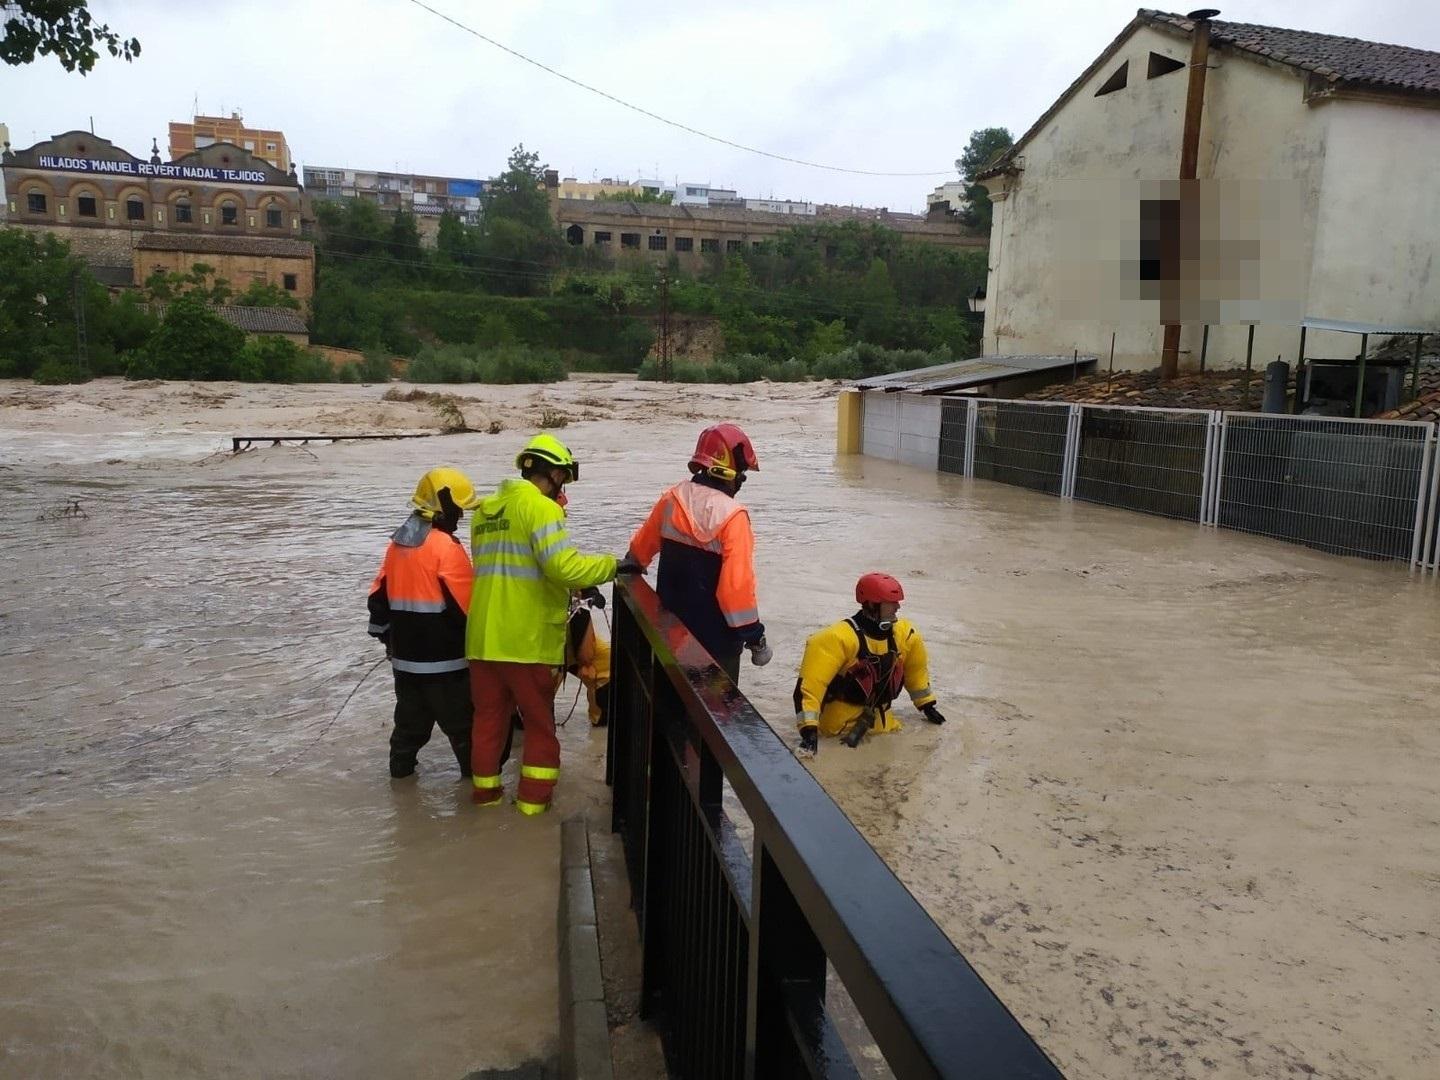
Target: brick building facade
x: 123, y: 215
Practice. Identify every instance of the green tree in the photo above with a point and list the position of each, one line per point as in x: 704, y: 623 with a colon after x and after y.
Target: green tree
x: 266, y: 294
x: 191, y: 343
x: 519, y: 245
x: 165, y: 285
x: 879, y: 306
x: 661, y: 198
x: 37, y: 311
x: 63, y: 29
x: 986, y: 144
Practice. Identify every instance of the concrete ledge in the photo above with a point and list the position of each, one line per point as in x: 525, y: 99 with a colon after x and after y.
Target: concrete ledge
x: 584, y: 1029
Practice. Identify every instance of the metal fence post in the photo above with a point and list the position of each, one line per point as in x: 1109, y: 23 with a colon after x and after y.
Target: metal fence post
x: 1072, y: 451
x: 974, y: 417
x: 1431, y: 542
x: 1422, y: 498
x: 1219, y: 481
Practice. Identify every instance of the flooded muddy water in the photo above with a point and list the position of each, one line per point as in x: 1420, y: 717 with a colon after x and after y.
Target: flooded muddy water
x: 1183, y: 816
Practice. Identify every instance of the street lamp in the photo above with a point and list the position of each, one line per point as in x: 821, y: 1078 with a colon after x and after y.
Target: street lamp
x: 977, y: 301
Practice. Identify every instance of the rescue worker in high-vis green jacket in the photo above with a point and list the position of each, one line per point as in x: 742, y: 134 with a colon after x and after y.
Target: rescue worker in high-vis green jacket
x: 525, y: 569
x: 852, y: 671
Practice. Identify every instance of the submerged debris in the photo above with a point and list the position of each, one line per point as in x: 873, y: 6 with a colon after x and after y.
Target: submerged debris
x: 69, y: 509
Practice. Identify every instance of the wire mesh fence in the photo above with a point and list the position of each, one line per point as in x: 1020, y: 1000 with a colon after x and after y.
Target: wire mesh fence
x: 954, y: 428
x: 1022, y: 443
x: 1350, y: 487
x: 1368, y: 488
x: 1151, y: 460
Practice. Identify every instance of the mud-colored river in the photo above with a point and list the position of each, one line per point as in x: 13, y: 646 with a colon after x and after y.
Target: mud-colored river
x: 1183, y: 818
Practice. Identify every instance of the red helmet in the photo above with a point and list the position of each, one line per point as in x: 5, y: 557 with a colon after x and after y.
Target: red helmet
x: 723, y: 450
x: 878, y: 589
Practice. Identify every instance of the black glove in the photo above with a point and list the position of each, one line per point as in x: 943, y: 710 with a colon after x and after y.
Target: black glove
x: 934, y: 715
x: 809, y: 741
x: 629, y: 565
x: 594, y: 597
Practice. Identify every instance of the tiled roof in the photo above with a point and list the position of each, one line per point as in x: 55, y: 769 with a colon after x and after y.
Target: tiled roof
x: 1189, y: 390
x: 262, y: 320
x: 1339, y: 60
x: 1342, y: 61
x: 253, y: 320
x: 226, y: 245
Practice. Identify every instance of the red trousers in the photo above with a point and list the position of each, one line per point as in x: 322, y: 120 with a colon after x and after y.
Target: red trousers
x: 496, y: 690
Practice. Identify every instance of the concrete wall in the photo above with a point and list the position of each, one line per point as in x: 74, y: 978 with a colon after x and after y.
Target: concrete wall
x: 1379, y: 220
x: 880, y: 429
x: 1361, y: 219
x: 901, y: 427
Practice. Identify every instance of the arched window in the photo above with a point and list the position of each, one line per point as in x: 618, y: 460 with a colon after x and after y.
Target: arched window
x: 36, y: 199
x: 274, y: 214
x: 575, y: 234
x: 134, y: 208
x: 229, y: 212
x: 184, y: 211
x: 87, y: 202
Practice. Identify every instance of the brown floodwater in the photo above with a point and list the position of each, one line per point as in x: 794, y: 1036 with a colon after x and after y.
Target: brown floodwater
x: 1183, y: 817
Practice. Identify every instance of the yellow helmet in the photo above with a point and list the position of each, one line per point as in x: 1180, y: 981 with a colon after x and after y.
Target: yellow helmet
x: 547, y: 450
x: 427, y: 493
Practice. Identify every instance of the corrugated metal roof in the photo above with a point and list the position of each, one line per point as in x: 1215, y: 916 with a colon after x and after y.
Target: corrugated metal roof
x: 1350, y: 327
x: 977, y: 372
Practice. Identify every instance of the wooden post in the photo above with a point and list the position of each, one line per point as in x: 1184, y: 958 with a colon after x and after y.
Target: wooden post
x: 1189, y: 156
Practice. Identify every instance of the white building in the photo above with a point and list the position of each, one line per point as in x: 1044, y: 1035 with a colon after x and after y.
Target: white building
x: 1318, y: 195
x: 693, y: 193
x: 948, y: 198
x: 781, y: 206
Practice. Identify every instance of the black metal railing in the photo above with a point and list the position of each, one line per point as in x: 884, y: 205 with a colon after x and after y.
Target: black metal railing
x: 738, y: 932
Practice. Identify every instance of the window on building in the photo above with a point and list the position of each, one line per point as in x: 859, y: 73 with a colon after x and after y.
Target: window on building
x: 694, y: 191
x: 602, y: 237
x: 204, y: 140
x: 684, y: 243
x: 134, y: 210
x: 709, y: 246
x: 184, y: 213
x: 274, y: 217
x: 575, y: 235
x: 1161, y: 65
x: 1116, y: 81
x: 270, y: 146
x: 756, y: 244
x: 249, y: 144
x: 734, y: 245
x: 291, y: 282
x: 86, y: 206
x: 35, y: 202
x: 229, y: 214
x: 629, y: 239
x: 657, y: 243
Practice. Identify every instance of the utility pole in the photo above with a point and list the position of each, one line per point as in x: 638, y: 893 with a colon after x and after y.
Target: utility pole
x: 82, y: 343
x: 1189, y: 157
x: 667, y: 370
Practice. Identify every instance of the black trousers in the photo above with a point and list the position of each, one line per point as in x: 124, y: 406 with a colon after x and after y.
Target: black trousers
x: 421, y: 702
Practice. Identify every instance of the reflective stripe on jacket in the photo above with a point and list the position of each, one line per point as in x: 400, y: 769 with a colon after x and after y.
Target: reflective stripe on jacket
x: 525, y: 567
x: 829, y: 652
x: 419, y: 598
x: 707, y: 564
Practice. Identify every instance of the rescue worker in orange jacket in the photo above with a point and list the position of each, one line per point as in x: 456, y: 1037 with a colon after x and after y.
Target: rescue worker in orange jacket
x: 707, y: 550
x: 418, y: 605
x: 853, y: 671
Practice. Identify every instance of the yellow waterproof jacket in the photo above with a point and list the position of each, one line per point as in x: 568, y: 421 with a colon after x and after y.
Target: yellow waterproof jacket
x: 831, y: 651
x: 525, y: 567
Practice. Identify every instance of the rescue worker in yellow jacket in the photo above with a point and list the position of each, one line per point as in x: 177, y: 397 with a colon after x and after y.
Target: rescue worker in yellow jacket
x: 525, y: 570
x: 852, y: 672
x: 418, y: 604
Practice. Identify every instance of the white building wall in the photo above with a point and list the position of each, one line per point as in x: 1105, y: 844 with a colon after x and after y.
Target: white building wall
x: 1257, y: 126
x: 918, y: 420
x: 881, y: 425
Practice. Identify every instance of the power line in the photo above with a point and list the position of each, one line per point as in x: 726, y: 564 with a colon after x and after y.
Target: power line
x: 662, y: 119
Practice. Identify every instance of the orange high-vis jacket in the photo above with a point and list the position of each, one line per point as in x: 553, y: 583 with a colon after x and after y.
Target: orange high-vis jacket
x: 707, y: 564
x: 419, y: 599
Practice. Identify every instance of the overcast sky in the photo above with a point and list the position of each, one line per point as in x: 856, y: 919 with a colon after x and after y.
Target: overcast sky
x: 384, y: 84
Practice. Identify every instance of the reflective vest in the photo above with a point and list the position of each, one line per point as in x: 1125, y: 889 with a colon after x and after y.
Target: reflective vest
x: 525, y: 568
x: 846, y: 670
x: 419, y: 597
x: 707, y: 564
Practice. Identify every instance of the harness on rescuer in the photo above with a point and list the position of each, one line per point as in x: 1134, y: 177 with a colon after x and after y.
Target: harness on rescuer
x: 873, y: 681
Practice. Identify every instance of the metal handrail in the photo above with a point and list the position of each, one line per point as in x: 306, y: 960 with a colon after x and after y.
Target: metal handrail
x: 813, y: 879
